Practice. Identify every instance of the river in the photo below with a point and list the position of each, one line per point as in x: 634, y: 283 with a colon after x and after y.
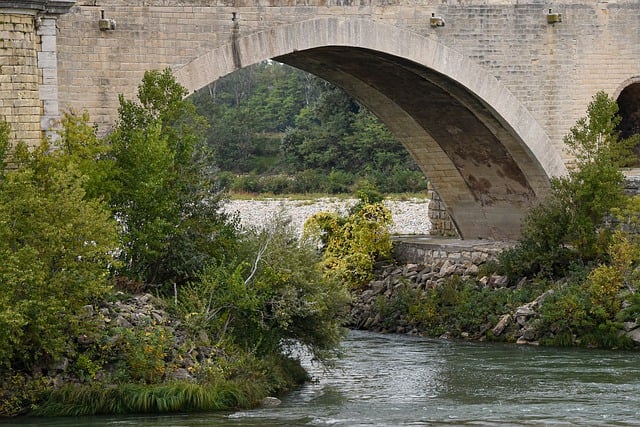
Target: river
x: 396, y: 380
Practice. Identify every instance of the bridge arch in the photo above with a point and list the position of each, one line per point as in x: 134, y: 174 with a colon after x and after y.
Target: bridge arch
x: 483, y: 151
x: 628, y: 98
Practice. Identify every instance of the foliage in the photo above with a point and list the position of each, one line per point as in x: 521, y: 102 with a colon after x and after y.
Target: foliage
x: 95, y: 399
x: 5, y: 130
x: 459, y: 305
x: 569, y: 226
x: 570, y: 317
x: 351, y: 245
x: 55, y: 246
x: 146, y: 351
x: 78, y: 144
x: 274, y: 120
x: 18, y: 392
x: 270, y: 296
x: 165, y: 190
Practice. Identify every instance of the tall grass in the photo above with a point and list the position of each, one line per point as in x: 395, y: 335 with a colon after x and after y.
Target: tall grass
x: 276, y: 374
x: 95, y: 399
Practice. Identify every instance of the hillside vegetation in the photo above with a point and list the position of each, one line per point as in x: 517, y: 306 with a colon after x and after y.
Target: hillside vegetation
x: 276, y: 129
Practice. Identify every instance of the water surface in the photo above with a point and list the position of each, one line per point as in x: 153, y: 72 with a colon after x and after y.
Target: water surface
x: 393, y: 380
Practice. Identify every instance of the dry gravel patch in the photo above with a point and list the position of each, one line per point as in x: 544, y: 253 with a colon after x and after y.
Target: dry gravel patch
x: 410, y: 216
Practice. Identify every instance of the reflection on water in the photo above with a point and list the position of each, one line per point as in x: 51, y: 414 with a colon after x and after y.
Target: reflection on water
x: 390, y: 380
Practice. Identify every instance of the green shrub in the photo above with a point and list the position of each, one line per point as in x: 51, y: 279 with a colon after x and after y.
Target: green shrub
x: 339, y: 181
x: 458, y: 306
x: 272, y: 294
x: 248, y: 183
x: 569, y: 227
x: 275, y: 184
x: 352, y: 245
x: 310, y: 181
x: 18, y: 392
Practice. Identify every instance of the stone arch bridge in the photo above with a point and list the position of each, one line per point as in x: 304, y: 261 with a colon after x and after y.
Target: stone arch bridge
x: 481, y: 92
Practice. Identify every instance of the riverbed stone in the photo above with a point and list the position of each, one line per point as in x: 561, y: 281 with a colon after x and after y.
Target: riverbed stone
x: 270, y: 401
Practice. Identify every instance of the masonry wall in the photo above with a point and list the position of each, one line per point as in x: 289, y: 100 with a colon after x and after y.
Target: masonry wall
x: 553, y: 69
x: 20, y: 102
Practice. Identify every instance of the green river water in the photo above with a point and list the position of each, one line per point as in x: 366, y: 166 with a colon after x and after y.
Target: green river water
x: 393, y: 380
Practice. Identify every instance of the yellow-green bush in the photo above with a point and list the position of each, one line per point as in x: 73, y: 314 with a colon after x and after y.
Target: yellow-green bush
x: 351, y: 245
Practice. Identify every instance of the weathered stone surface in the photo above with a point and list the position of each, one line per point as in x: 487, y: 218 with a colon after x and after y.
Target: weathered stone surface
x: 634, y: 335
x: 501, y: 325
x: 121, y: 322
x: 523, y: 313
x: 498, y: 281
x: 270, y: 401
x: 180, y: 374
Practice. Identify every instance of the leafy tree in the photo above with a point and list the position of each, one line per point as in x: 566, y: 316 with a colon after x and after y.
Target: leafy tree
x: 569, y: 226
x: 165, y: 191
x: 271, y: 295
x: 55, y: 247
x: 247, y: 110
x: 78, y: 144
x: 5, y: 129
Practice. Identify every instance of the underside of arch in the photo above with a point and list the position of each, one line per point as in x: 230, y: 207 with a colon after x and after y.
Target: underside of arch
x: 629, y: 111
x: 485, y: 155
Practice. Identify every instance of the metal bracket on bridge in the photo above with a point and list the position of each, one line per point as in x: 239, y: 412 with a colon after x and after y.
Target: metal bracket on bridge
x: 436, y: 21
x: 106, y: 24
x: 553, y: 18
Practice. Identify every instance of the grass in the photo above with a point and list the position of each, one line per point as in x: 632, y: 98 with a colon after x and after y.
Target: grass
x: 82, y: 400
x: 244, y: 391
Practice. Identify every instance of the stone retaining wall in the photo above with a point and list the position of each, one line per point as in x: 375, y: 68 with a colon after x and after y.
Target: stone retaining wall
x: 434, y: 251
x: 422, y: 263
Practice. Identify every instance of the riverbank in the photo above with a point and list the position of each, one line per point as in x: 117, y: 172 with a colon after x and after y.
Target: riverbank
x: 456, y: 295
x: 400, y: 380
x: 453, y: 291
x: 134, y: 356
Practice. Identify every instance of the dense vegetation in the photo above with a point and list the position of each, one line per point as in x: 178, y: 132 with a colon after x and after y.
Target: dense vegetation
x: 579, y: 256
x: 84, y: 221
x: 585, y: 234
x: 276, y: 129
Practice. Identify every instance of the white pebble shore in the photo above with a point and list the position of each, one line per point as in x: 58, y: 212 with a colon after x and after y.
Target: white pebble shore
x: 410, y: 216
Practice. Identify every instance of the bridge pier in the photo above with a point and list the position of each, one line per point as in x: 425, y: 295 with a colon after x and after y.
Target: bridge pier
x: 28, y: 66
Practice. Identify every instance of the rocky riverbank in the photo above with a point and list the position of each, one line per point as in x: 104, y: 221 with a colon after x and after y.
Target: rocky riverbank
x: 455, y: 297
x: 443, y: 291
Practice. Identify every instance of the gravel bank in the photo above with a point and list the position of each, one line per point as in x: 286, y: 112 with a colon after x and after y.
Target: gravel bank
x: 409, y: 216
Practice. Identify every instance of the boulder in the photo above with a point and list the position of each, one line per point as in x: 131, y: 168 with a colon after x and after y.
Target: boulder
x: 634, y: 335
x: 498, y: 281
x: 523, y: 313
x: 180, y: 374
